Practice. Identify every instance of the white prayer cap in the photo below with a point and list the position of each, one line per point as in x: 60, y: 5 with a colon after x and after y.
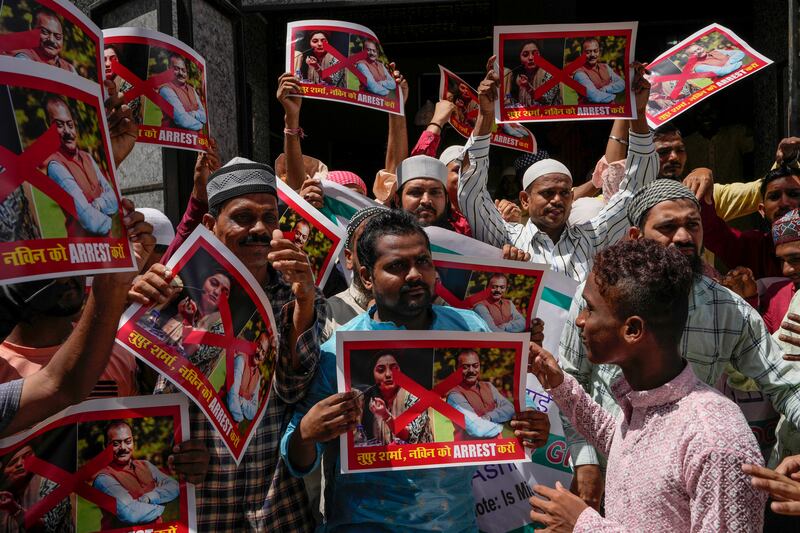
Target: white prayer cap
x: 452, y: 153
x: 421, y: 166
x: 162, y: 227
x: 540, y: 168
x: 238, y: 161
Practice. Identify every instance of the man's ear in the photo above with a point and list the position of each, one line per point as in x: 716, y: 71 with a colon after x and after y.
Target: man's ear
x: 633, y: 330
x: 209, y: 222
x: 348, y: 256
x: 524, y: 200
x: 366, y: 277
x: 761, y: 210
x: 634, y: 233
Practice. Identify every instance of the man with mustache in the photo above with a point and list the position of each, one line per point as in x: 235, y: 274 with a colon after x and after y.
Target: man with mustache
x: 499, y: 312
x: 422, y: 191
x: 188, y: 112
x: 601, y: 82
x: 51, y: 41
x: 301, y: 232
x: 475, y: 397
x: 547, y: 194
x: 140, y: 488
x: 257, y: 494
x: 722, y: 329
x: 76, y: 171
x: 379, y: 80
x: 396, y: 266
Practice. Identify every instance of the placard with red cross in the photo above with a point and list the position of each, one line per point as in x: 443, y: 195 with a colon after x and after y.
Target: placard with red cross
x: 214, y: 339
x: 507, y: 135
x: 101, y: 466
x: 60, y: 209
x: 52, y: 32
x: 166, y: 81
x: 432, y: 398
x: 342, y: 62
x: 565, y: 71
x: 697, y: 67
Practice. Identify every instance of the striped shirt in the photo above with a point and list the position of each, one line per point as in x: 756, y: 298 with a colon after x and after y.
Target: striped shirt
x: 574, y: 252
x: 721, y: 329
x: 10, y: 394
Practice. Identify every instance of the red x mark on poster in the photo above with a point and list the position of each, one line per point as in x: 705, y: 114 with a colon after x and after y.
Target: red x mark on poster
x: 149, y: 88
x: 227, y: 341
x: 428, y: 398
x: 454, y: 301
x: 19, y: 40
x: 344, y: 62
x: 24, y: 167
x: 687, y: 73
x: 558, y: 75
x: 68, y: 484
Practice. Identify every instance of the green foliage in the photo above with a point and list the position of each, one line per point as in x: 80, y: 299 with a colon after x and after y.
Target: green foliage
x: 79, y: 48
x: 318, y: 245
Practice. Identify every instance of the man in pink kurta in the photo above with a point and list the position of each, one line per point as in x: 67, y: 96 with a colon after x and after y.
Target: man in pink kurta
x: 675, y: 458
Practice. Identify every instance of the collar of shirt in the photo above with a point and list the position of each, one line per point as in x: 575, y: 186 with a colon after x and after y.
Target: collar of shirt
x: 669, y: 392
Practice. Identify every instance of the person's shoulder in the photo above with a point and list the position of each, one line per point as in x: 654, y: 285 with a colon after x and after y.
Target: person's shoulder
x: 452, y: 318
x: 713, y: 418
x: 719, y: 295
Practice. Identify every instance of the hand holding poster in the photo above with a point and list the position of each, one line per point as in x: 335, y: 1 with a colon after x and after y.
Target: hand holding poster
x: 164, y: 82
x: 60, y: 210
x: 214, y: 339
x: 342, y: 62
x: 465, y: 98
x: 319, y: 238
x: 695, y: 68
x: 99, y: 466
x: 51, y: 32
x: 432, y: 398
x: 565, y: 72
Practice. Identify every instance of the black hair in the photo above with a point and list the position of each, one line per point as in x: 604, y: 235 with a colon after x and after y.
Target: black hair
x: 667, y: 129
x: 643, y: 278
x: 389, y: 222
x: 782, y: 171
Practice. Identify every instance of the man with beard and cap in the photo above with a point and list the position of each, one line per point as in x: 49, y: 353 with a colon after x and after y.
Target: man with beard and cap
x: 258, y: 493
x: 722, y: 329
x: 51, y: 41
x: 396, y: 265
x: 140, y: 488
x: 76, y: 171
x: 547, y: 194
x: 187, y: 108
x: 422, y: 191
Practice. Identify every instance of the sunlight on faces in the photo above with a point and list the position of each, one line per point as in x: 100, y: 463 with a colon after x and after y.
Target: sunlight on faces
x: 424, y: 198
x: 674, y: 223
x: 403, y: 278
x: 599, y: 326
x: 782, y: 195
x: 671, y: 155
x: 548, y: 201
x: 245, y: 225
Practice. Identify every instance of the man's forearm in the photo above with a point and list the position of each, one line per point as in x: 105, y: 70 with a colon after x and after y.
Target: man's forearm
x: 295, y: 171
x: 302, y: 454
x: 397, y: 143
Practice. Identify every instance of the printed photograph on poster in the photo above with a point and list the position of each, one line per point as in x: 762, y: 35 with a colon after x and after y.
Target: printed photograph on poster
x: 342, y: 62
x: 100, y: 466
x: 698, y: 66
x: 60, y: 210
x: 465, y: 98
x: 51, y: 32
x: 432, y: 398
x: 214, y: 339
x: 164, y: 81
x: 314, y: 233
x: 504, y: 293
x: 565, y: 71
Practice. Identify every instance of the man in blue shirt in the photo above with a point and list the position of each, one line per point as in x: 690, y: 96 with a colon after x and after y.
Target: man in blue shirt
x: 396, y: 265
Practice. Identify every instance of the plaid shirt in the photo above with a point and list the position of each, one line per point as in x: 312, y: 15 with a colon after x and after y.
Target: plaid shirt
x: 722, y: 328
x: 574, y: 252
x: 260, y: 494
